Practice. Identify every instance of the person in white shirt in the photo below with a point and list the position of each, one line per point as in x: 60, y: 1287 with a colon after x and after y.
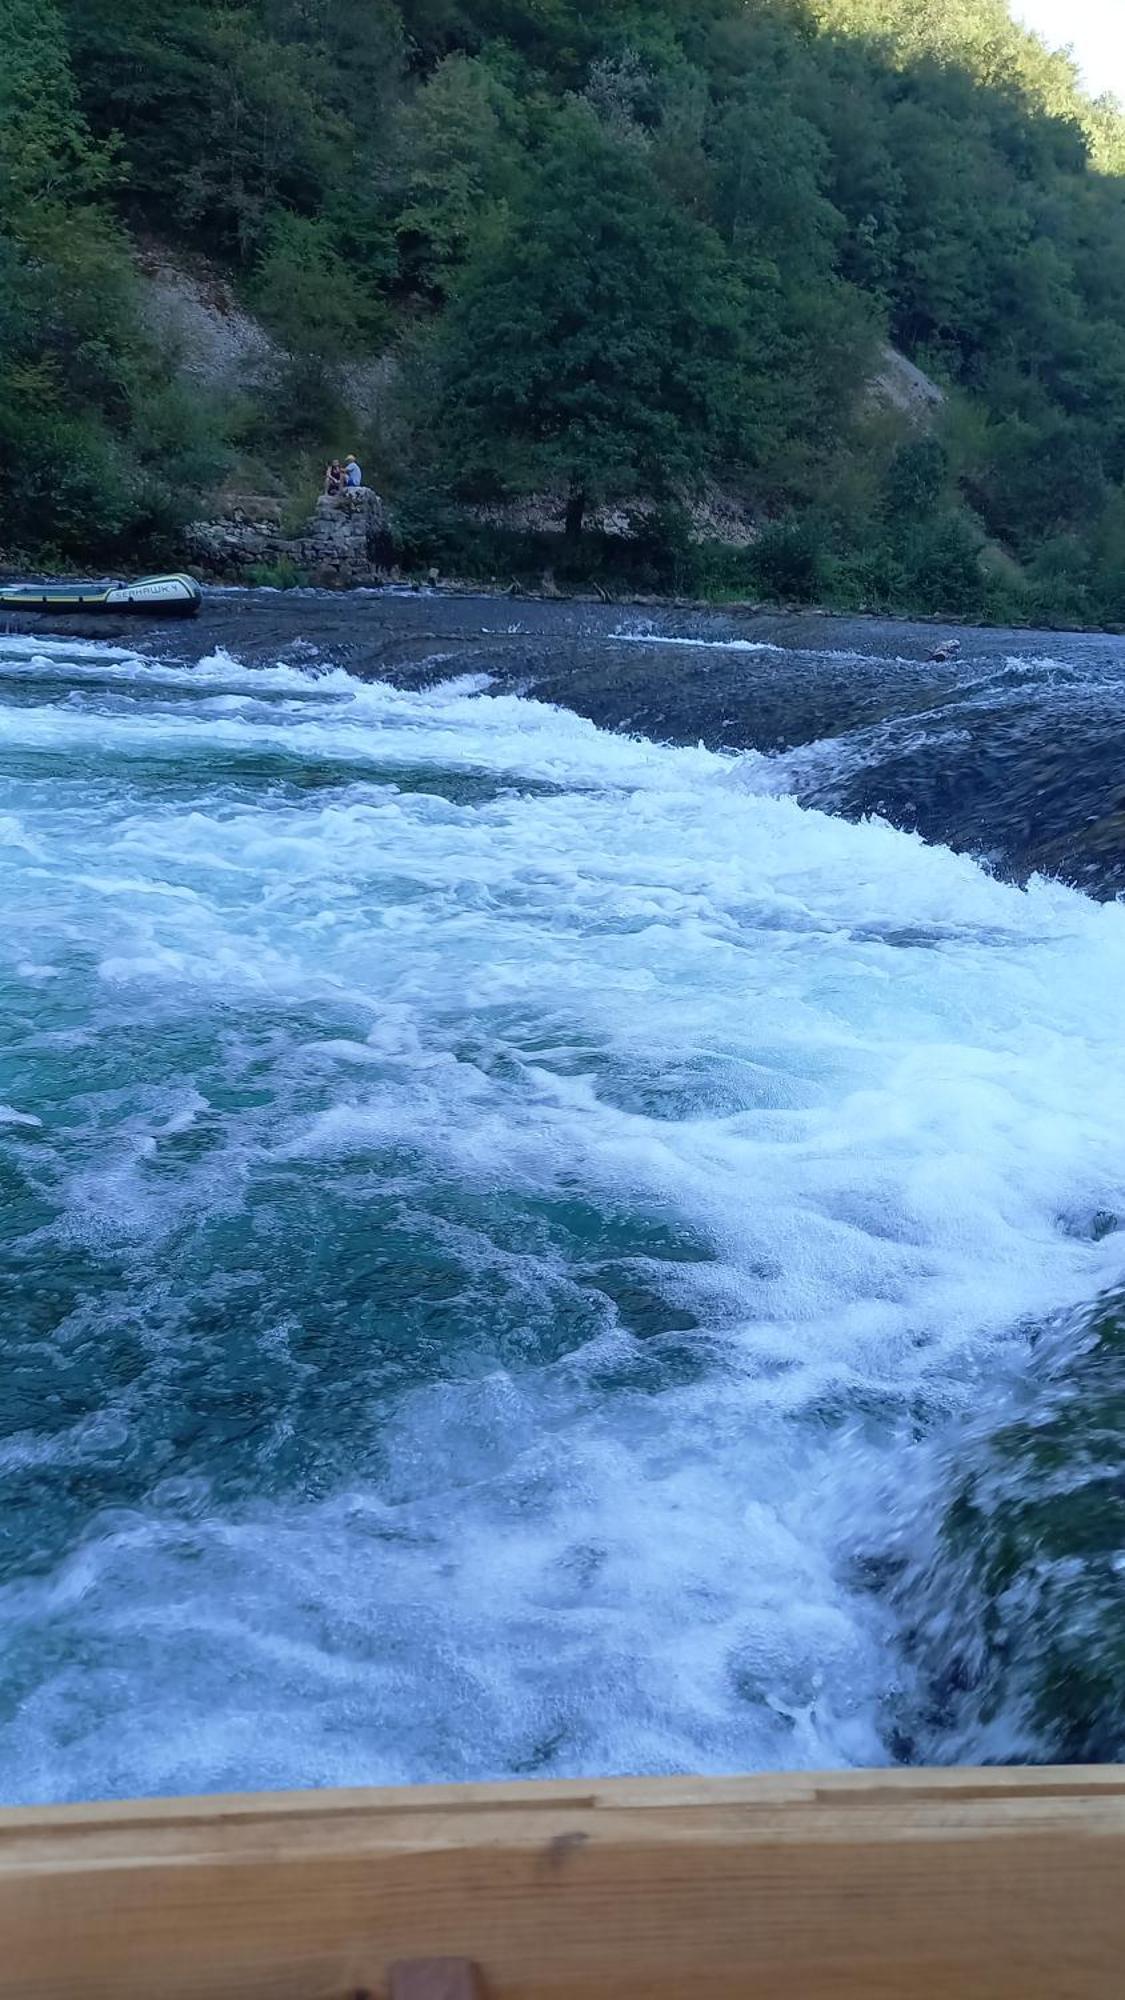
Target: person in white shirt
x: 353, y: 473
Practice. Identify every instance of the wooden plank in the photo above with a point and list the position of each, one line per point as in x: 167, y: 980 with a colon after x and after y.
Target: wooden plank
x: 986, y: 1885
x: 434, y: 1979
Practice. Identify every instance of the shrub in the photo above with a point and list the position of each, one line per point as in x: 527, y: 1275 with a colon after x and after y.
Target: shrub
x: 788, y: 562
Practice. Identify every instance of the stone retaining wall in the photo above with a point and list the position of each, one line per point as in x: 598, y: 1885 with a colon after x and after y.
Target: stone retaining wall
x: 344, y: 544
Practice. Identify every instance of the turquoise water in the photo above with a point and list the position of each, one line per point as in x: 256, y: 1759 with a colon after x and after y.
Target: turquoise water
x: 503, y: 1222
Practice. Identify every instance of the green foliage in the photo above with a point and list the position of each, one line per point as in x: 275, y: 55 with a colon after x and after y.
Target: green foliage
x: 309, y: 294
x: 98, y: 452
x: 283, y: 575
x: 942, y: 568
x: 229, y: 113
x: 788, y: 562
x: 615, y: 249
x: 461, y: 162
x: 599, y: 346
x: 916, y: 478
x: 46, y: 154
x: 658, y: 556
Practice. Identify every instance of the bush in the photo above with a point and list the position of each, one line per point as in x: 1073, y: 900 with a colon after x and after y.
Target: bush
x: 283, y: 575
x: 311, y: 296
x: 941, y: 567
x: 869, y: 576
x: 1059, y: 582
x: 301, y: 404
x: 788, y: 562
x: 916, y: 478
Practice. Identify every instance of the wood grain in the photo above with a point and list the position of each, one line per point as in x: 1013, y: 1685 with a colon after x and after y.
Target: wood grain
x: 984, y: 1885
x: 434, y: 1979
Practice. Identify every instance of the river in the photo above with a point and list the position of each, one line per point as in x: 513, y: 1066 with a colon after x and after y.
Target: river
x: 564, y: 1196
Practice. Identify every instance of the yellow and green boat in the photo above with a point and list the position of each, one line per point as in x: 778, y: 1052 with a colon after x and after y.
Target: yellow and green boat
x: 149, y: 596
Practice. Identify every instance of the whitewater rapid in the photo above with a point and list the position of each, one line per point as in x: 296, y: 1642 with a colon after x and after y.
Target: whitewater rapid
x: 501, y: 1217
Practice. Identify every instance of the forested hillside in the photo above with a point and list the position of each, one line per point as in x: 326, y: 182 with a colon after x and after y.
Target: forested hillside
x: 620, y: 252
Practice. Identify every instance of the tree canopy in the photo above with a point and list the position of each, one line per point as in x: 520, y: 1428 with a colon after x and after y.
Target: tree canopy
x: 600, y: 344
x: 613, y: 251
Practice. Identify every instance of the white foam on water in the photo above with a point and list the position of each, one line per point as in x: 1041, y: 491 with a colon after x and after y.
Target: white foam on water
x: 17, y: 647
x: 643, y: 636
x: 834, y: 760
x: 882, y: 1089
x: 332, y: 716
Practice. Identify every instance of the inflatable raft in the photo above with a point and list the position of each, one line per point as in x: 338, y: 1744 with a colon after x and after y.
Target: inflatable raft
x: 152, y: 596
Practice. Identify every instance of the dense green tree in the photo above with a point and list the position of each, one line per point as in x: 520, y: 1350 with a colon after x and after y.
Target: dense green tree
x: 96, y: 446
x: 614, y: 247
x: 599, y: 346
x: 461, y: 163
x: 307, y: 291
x: 229, y: 110
x: 916, y: 478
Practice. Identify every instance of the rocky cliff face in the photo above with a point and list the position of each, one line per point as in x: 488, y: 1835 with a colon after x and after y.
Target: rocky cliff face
x: 898, y: 385
x: 217, y: 345
x: 345, y: 543
x: 220, y: 347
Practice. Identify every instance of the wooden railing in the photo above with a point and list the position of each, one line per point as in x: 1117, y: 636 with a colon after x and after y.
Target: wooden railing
x: 891, y: 1885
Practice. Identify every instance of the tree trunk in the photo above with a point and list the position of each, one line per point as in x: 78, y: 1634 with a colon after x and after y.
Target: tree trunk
x: 575, y: 513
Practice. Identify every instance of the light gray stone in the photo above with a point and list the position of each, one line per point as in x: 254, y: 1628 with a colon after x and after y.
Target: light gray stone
x: 344, y: 543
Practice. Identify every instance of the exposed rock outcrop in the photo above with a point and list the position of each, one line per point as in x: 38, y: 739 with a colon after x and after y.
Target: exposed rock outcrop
x: 344, y: 544
x: 217, y: 344
x: 713, y: 516
x: 899, y: 385
x: 222, y: 348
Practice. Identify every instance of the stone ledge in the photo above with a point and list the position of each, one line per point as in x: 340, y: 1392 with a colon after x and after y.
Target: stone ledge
x: 345, y: 542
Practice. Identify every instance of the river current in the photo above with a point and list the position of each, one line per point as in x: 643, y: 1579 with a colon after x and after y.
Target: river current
x: 564, y: 1179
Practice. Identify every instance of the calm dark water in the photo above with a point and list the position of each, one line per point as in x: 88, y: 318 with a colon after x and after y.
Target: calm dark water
x: 563, y: 1190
